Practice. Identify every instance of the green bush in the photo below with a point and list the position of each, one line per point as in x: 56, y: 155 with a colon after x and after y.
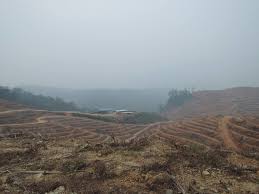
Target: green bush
x: 143, y: 118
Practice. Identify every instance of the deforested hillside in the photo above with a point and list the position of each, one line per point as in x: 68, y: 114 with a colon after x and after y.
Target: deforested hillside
x: 234, y: 101
x: 239, y: 134
x: 62, y: 152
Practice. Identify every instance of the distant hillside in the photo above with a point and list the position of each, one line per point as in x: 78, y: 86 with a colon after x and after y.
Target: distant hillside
x: 10, y: 98
x: 6, y: 105
x: 141, y: 100
x: 234, y: 101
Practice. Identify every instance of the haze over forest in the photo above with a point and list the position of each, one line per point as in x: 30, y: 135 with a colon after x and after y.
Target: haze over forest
x: 129, y: 44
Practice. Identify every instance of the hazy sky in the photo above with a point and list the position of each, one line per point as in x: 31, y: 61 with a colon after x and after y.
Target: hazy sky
x: 129, y: 43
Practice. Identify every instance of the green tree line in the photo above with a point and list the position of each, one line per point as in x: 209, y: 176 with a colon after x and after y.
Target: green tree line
x: 176, y: 98
x: 36, y: 101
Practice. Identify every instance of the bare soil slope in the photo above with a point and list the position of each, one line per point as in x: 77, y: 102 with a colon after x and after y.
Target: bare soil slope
x: 235, y: 133
x: 46, y: 152
x: 234, y: 101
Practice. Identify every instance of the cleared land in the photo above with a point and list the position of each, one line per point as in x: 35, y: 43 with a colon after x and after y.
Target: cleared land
x: 235, y: 101
x: 43, y: 151
x: 236, y: 133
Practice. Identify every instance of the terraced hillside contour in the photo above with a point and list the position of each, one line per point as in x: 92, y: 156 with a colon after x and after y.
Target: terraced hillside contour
x: 235, y: 133
x: 234, y: 101
x: 49, y: 152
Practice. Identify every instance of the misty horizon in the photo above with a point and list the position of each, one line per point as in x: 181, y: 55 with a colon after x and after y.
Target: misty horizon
x: 129, y: 44
x: 25, y: 87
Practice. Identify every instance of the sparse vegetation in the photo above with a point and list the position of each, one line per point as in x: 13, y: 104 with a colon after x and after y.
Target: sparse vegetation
x: 96, y: 117
x: 135, y: 118
x: 65, y: 152
x: 143, y: 118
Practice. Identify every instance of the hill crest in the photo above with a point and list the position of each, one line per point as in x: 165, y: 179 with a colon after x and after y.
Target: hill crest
x: 232, y: 101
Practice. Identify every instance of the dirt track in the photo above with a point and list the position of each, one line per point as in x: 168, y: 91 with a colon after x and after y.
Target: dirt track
x: 225, y: 134
x: 14, y: 111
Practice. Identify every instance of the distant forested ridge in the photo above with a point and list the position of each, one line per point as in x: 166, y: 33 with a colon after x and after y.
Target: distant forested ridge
x: 140, y: 100
x: 36, y: 101
x: 177, y: 98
